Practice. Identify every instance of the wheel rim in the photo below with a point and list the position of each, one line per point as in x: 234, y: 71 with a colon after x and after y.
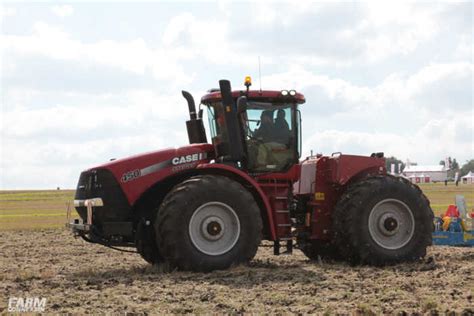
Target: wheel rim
x: 214, y: 228
x: 391, y: 224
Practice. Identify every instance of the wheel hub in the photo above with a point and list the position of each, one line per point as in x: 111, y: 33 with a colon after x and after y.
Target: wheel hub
x: 214, y: 228
x: 391, y: 224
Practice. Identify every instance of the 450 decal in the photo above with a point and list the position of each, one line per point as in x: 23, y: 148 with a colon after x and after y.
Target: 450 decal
x: 131, y: 175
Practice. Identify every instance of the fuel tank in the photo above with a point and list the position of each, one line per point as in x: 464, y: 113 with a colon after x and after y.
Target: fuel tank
x: 336, y: 170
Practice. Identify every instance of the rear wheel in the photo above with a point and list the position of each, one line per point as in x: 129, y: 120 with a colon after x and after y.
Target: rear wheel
x: 208, y: 223
x: 382, y: 220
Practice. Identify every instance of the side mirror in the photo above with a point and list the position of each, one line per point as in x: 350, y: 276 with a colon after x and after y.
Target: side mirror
x: 241, y: 104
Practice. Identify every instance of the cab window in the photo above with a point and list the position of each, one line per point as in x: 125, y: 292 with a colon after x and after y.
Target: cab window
x: 269, y: 136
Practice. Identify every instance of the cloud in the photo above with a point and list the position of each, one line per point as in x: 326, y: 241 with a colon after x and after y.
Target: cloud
x: 134, y: 56
x: 7, y: 12
x: 418, y: 116
x: 63, y: 10
x: 436, y: 139
x: 65, y: 139
x: 392, y: 78
x: 126, y: 113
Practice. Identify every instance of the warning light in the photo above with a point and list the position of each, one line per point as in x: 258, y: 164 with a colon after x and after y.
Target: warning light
x: 248, y: 81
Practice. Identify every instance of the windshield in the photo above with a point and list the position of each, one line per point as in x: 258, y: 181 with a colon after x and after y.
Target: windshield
x: 269, y: 136
x: 269, y: 132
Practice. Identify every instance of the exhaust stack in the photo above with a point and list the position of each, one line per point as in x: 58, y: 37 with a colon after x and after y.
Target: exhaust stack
x: 195, y: 126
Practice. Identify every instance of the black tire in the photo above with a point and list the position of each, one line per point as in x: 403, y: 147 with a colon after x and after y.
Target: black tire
x: 359, y: 241
x: 146, y: 244
x: 174, y: 224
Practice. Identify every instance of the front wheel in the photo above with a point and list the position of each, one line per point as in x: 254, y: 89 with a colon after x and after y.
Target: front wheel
x: 208, y: 223
x: 146, y: 244
x: 382, y: 220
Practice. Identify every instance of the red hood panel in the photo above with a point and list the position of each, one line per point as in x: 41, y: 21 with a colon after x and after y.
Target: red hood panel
x: 137, y: 173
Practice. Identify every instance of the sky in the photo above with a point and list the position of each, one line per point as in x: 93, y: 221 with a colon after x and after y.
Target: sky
x: 82, y: 83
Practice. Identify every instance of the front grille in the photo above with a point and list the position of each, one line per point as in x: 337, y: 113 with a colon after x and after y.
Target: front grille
x: 102, y: 183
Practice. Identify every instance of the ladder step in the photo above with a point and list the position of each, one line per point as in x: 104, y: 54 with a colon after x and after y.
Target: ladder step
x: 284, y: 225
x: 281, y: 198
x: 286, y: 238
x: 282, y: 211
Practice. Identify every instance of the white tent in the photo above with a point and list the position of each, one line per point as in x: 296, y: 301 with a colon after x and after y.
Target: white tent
x: 468, y: 178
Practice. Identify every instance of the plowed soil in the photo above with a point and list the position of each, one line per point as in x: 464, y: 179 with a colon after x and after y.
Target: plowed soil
x: 77, y: 277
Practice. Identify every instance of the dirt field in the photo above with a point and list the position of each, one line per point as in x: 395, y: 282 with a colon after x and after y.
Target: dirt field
x: 78, y: 277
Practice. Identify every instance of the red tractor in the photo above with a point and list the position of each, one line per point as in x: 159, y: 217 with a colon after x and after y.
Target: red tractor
x: 206, y: 206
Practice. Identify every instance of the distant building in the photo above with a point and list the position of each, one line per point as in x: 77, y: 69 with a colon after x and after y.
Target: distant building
x: 423, y: 174
x: 468, y: 178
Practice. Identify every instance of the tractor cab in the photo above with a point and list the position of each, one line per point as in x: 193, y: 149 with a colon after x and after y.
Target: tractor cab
x: 259, y: 131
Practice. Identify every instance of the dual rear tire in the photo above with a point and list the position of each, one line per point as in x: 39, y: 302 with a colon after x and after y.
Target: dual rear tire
x: 378, y: 221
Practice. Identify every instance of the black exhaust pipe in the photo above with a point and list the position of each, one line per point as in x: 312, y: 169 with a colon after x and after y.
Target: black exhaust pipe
x: 195, y: 126
x: 191, y: 105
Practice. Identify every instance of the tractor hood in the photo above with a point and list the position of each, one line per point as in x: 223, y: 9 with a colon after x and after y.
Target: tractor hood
x: 135, y: 174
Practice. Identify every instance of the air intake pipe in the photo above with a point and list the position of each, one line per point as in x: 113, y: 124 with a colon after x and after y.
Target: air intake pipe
x: 236, y: 142
x: 195, y: 126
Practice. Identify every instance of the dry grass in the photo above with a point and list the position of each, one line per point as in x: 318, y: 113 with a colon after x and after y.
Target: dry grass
x: 34, y: 209
x: 441, y: 196
x: 43, y: 209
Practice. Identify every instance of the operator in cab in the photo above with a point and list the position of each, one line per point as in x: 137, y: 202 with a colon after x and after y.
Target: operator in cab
x: 282, y: 129
x: 265, y: 133
x: 273, y: 141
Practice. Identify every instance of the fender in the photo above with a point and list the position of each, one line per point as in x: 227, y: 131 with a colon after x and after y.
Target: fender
x: 249, y: 180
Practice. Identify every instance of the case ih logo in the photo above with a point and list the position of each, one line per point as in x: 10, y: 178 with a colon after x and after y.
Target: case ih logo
x: 188, y: 158
x: 178, y: 163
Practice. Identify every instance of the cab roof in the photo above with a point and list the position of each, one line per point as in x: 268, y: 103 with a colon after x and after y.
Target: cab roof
x: 255, y: 95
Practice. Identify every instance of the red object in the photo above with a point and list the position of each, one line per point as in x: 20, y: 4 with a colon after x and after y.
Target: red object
x: 333, y: 173
x: 452, y: 211
x: 472, y: 215
x: 266, y: 95
x: 319, y: 181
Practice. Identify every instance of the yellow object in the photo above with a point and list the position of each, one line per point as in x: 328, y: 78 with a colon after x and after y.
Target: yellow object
x: 248, y: 81
x: 468, y: 236
x: 463, y: 225
x: 446, y: 222
x: 319, y: 196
